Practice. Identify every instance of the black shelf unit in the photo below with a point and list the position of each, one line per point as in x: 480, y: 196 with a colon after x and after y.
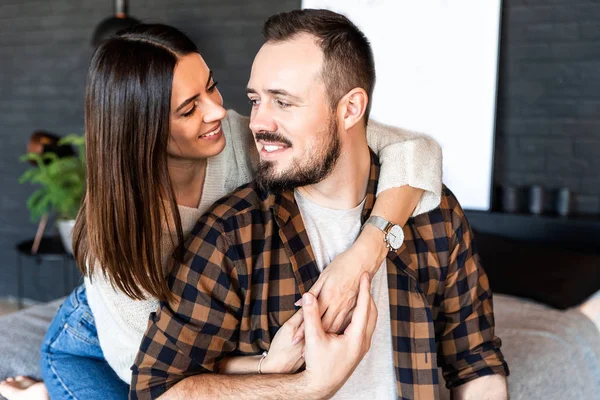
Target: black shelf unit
x: 579, y: 232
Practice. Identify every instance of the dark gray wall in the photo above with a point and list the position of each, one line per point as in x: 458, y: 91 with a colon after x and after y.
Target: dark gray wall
x: 548, y: 128
x: 44, y: 52
x: 549, y: 91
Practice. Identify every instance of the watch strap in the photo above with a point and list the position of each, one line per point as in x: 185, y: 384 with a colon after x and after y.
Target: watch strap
x: 379, y: 222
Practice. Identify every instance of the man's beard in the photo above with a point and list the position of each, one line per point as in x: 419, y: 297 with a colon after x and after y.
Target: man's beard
x: 316, y: 167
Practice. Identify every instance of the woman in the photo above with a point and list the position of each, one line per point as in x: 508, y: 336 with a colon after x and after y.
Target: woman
x: 160, y: 150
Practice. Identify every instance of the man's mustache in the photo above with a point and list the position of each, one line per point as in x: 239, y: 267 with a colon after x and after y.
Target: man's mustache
x: 272, y: 137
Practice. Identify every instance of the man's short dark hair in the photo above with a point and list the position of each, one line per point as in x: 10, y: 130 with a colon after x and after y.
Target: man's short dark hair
x: 347, y: 56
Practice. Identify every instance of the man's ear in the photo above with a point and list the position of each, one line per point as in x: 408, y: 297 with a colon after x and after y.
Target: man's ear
x: 352, y: 107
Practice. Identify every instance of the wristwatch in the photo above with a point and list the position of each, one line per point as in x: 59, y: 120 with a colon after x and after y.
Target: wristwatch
x: 394, y: 235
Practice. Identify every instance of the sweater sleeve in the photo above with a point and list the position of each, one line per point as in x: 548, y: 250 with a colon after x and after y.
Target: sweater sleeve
x: 240, y: 154
x: 407, y: 158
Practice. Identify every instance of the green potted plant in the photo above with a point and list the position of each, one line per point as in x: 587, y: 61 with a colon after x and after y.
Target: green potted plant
x: 62, y: 181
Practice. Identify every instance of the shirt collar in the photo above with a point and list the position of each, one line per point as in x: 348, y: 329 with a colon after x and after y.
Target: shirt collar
x: 284, y: 204
x: 292, y: 231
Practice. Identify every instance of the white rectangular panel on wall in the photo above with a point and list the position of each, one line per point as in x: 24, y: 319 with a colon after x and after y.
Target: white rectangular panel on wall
x: 436, y: 63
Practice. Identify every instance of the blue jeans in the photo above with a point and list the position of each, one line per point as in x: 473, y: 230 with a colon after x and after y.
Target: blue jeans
x: 73, y: 366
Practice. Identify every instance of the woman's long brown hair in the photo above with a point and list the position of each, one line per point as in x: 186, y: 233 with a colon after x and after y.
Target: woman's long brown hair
x: 128, y: 191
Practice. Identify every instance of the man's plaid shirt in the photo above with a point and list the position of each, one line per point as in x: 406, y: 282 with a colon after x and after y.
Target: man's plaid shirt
x: 249, y: 259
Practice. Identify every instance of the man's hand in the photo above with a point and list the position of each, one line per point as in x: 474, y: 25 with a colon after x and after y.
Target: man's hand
x: 331, y: 358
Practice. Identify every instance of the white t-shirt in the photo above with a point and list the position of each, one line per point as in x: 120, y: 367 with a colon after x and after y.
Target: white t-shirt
x: 332, y: 232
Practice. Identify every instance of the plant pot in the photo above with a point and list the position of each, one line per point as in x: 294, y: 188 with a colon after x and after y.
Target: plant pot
x: 65, y: 228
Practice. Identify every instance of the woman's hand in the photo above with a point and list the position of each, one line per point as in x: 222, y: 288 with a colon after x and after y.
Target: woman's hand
x: 285, y: 356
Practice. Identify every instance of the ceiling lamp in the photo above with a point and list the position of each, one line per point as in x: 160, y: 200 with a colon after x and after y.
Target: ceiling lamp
x: 114, y: 24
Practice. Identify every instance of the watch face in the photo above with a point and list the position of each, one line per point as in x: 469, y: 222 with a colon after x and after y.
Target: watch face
x: 395, y: 237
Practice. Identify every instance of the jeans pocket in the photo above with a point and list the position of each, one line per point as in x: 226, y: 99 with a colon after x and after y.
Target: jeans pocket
x: 77, y: 335
x: 82, y: 333
x: 76, y: 341
x: 64, y: 313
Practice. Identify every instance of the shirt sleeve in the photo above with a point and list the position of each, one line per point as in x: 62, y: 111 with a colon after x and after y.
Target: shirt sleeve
x: 467, y: 346
x: 188, y: 335
x: 407, y: 158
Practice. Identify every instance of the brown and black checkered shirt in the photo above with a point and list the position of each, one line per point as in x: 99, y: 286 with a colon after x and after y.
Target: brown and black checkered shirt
x: 249, y: 259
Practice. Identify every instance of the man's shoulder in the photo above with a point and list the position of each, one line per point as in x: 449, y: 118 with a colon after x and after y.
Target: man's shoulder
x: 449, y: 213
x: 244, y: 200
x: 449, y: 202
x: 436, y: 233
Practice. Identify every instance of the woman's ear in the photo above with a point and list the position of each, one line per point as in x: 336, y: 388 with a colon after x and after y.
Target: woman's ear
x: 353, y: 107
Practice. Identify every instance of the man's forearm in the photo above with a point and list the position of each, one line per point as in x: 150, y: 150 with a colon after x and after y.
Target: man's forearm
x: 235, y: 387
x: 490, y: 387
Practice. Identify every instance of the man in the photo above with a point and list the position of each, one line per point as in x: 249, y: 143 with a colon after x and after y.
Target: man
x: 261, y: 248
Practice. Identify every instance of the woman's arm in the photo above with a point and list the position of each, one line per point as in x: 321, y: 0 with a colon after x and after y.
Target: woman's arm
x: 406, y: 158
